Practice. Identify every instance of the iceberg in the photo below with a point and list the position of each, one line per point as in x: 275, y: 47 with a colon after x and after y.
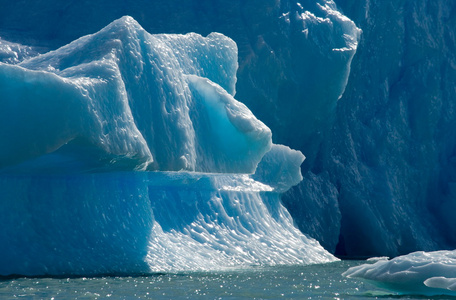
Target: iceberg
x: 417, y: 273
x: 363, y: 88
x: 126, y: 153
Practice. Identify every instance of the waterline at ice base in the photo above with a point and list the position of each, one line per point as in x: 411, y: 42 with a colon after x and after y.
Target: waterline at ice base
x: 126, y: 153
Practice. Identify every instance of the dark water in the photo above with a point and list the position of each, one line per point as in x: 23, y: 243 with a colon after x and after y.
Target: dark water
x: 280, y: 282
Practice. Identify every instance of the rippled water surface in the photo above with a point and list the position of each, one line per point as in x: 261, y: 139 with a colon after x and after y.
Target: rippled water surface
x: 286, y: 282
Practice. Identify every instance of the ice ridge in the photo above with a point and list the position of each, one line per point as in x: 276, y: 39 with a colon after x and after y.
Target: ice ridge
x: 126, y: 99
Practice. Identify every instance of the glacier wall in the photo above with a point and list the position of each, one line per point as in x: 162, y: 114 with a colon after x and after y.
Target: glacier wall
x: 379, y: 173
x: 395, y: 130
x: 385, y: 168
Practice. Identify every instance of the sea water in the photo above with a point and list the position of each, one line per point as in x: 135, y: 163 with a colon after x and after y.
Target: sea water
x: 323, y: 281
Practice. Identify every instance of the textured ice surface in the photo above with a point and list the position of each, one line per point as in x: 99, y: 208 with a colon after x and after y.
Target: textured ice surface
x: 379, y: 178
x: 142, y: 222
x: 323, y: 42
x: 126, y: 98
x: 81, y: 128
x: 394, y: 166
x: 14, y: 53
x: 418, y: 273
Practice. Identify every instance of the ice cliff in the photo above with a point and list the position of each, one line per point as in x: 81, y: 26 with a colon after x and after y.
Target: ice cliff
x: 394, y: 133
x: 377, y: 127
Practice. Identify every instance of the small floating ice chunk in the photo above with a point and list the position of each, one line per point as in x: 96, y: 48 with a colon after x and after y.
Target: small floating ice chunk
x: 418, y: 273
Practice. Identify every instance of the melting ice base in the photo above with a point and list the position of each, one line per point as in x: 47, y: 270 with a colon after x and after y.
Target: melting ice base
x: 142, y: 222
x: 419, y: 273
x: 88, y: 114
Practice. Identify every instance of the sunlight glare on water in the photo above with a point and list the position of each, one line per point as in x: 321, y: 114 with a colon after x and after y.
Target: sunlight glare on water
x: 286, y: 282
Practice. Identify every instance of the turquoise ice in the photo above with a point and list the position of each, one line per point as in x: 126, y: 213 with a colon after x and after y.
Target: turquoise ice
x: 126, y: 153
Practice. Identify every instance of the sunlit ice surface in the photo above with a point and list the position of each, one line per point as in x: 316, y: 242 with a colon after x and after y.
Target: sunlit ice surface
x: 142, y: 222
x: 130, y: 155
